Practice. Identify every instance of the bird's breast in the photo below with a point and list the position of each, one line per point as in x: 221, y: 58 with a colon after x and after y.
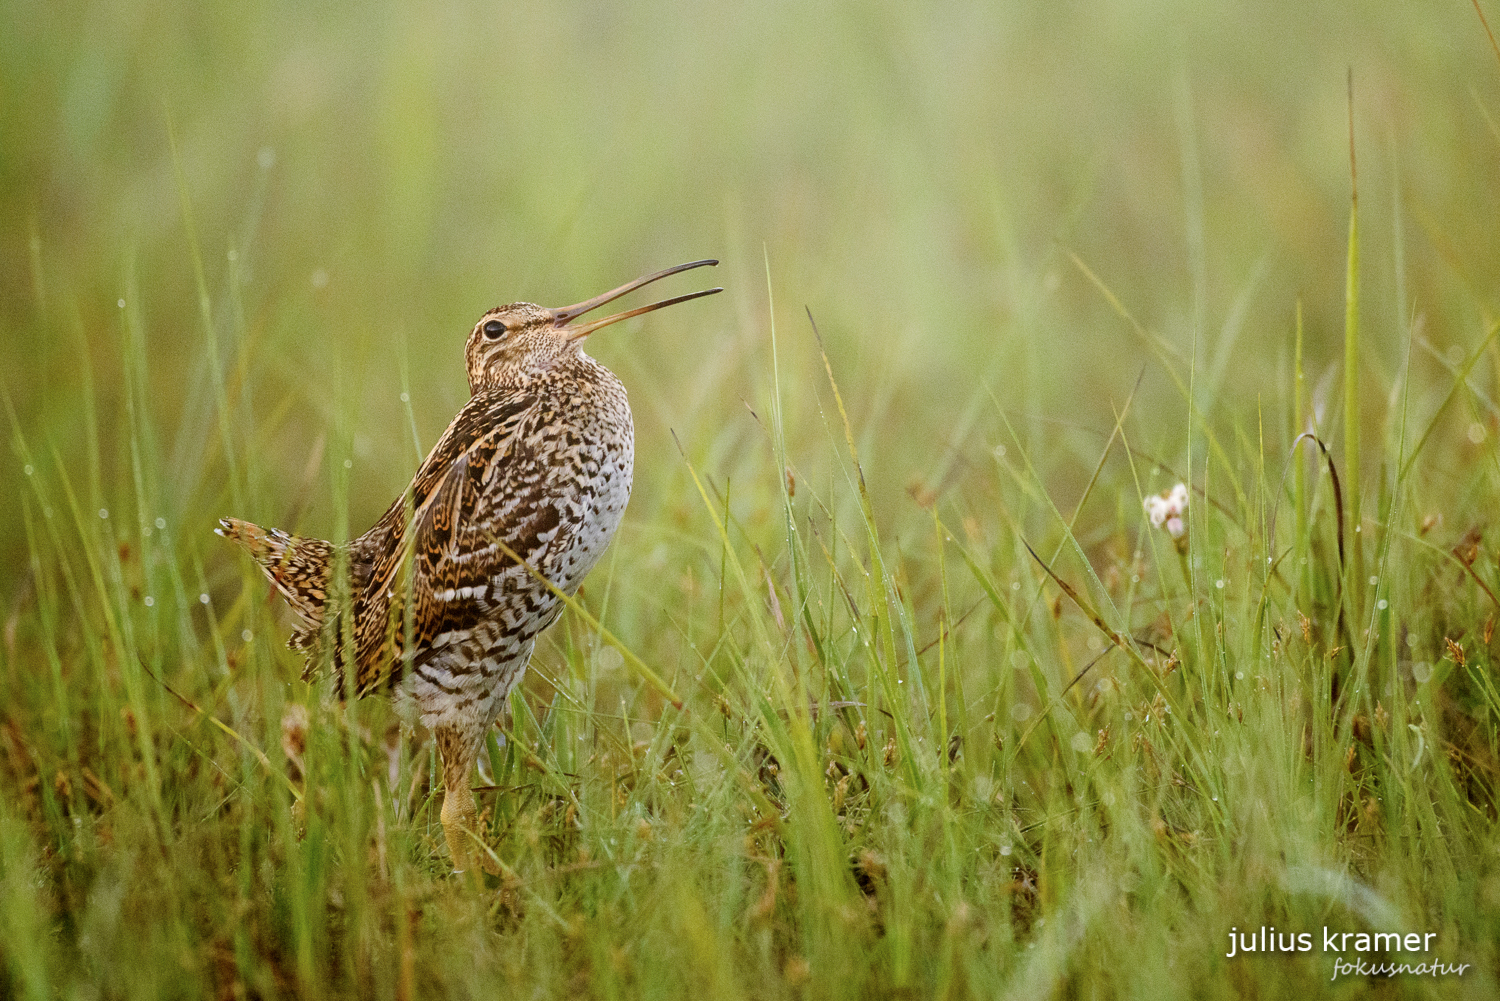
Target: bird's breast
x: 568, y: 483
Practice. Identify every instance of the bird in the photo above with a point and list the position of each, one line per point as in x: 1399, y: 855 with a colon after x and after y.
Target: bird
x: 442, y: 600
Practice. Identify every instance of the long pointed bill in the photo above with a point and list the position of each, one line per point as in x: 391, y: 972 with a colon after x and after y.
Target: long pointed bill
x: 584, y: 329
x: 564, y: 317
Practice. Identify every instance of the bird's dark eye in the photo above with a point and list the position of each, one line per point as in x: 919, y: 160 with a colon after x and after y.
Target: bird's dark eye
x: 494, y: 329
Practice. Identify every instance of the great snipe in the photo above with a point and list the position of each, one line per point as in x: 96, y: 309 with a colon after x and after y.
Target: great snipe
x: 531, y: 478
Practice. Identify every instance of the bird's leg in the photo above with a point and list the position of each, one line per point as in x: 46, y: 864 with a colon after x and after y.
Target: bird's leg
x: 461, y: 822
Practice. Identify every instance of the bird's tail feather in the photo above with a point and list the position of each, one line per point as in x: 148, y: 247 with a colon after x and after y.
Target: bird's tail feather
x: 299, y: 567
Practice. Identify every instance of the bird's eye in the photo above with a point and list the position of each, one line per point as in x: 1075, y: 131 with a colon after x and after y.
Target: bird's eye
x: 494, y: 329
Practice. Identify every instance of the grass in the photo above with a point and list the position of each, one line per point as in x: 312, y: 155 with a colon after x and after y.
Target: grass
x: 956, y: 720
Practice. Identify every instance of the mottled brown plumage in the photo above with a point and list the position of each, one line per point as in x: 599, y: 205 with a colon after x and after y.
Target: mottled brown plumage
x: 532, y: 475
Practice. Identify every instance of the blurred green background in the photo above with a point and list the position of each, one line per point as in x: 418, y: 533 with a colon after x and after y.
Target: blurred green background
x: 366, y: 179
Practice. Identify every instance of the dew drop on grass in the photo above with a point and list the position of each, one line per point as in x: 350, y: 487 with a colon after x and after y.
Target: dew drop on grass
x: 348, y: 463
x: 120, y: 303
x: 1239, y: 675
x: 1476, y: 432
x: 246, y: 635
x: 1005, y: 849
x: 1015, y: 585
x: 150, y: 601
x: 29, y: 469
x: 405, y: 397
x: 1374, y: 580
x: 1219, y: 584
x: 1382, y: 604
x: 203, y: 598
x: 161, y: 524
x: 104, y: 514
x: 1421, y: 671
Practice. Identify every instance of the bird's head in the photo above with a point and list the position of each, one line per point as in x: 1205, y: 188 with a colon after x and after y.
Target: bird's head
x: 511, y: 345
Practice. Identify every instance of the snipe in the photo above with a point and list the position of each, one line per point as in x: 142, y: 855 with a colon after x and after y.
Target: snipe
x: 530, y: 478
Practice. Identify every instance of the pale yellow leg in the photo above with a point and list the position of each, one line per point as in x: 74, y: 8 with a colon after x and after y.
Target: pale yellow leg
x: 461, y: 820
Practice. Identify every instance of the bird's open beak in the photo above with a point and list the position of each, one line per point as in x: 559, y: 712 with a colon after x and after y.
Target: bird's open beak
x: 564, y: 317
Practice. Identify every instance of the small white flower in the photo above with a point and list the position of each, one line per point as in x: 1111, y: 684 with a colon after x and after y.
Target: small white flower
x: 1168, y: 510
